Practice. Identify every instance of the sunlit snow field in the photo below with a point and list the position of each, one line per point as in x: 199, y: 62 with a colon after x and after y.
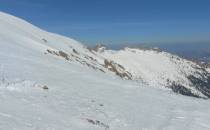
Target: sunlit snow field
x: 80, y: 98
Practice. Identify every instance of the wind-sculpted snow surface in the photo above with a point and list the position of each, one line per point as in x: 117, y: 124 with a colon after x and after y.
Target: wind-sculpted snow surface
x: 50, y: 82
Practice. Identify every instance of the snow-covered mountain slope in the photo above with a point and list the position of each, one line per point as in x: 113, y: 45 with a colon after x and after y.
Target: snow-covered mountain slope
x: 50, y: 82
x: 157, y: 69
x: 22, y: 36
x: 160, y: 69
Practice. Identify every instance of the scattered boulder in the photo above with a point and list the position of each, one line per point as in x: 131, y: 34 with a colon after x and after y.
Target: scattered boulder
x: 64, y: 55
x: 75, y: 52
x: 44, y: 40
x: 45, y: 87
x: 52, y: 52
x: 98, y: 123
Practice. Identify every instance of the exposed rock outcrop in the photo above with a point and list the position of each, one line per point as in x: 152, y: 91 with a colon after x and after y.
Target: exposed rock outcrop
x: 117, y: 69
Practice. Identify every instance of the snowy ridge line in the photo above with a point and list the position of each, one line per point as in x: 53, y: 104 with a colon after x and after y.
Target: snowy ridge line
x: 152, y: 67
x: 162, y: 69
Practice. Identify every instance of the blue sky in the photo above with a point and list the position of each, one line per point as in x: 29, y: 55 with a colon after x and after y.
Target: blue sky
x: 118, y: 21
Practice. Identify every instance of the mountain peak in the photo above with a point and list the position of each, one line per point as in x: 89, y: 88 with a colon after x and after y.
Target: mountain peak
x: 100, y: 48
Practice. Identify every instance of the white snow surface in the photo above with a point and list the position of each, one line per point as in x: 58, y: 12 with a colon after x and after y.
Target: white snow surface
x: 80, y: 98
x: 208, y: 70
x: 155, y: 68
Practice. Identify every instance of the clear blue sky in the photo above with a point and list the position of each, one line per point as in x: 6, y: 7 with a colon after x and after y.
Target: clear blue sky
x: 118, y: 21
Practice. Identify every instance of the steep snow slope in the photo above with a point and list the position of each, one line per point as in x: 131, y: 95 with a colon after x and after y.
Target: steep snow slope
x: 79, y: 98
x: 161, y: 69
x: 22, y: 36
